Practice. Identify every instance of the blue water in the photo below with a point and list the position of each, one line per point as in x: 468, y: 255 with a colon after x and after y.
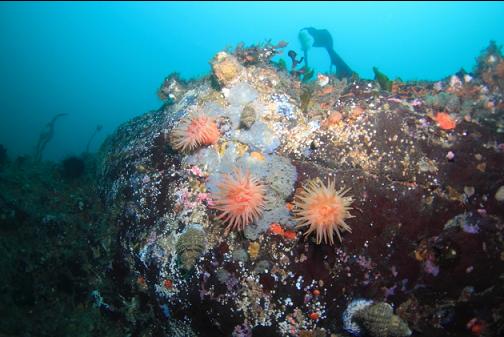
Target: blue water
x: 102, y: 63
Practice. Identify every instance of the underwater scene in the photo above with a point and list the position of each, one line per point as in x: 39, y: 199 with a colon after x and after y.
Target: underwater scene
x: 252, y: 169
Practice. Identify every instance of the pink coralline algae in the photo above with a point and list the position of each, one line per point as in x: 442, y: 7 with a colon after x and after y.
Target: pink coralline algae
x: 471, y: 229
x: 416, y: 102
x: 205, y: 197
x: 196, y: 171
x: 395, y: 100
x: 364, y: 262
x: 389, y: 292
x: 242, y: 331
x: 431, y: 268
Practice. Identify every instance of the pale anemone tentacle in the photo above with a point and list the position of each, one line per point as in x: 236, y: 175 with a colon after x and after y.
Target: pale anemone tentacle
x: 240, y: 198
x: 193, y: 131
x: 323, y: 209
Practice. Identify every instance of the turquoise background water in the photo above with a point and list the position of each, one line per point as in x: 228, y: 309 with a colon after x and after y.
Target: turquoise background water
x: 102, y: 63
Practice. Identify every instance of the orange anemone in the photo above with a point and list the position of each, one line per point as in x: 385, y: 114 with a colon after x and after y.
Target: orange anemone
x: 323, y: 209
x: 240, y: 198
x: 194, y: 131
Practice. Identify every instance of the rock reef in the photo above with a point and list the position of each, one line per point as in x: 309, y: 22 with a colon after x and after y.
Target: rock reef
x: 427, y: 232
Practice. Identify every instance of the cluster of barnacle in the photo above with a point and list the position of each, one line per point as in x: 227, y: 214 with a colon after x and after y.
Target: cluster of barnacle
x: 375, y: 319
x: 190, y: 246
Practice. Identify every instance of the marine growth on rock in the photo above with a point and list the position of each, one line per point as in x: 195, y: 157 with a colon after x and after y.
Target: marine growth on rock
x: 253, y: 152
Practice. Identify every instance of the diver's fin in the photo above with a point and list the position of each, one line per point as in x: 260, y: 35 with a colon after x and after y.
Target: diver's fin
x: 342, y: 69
